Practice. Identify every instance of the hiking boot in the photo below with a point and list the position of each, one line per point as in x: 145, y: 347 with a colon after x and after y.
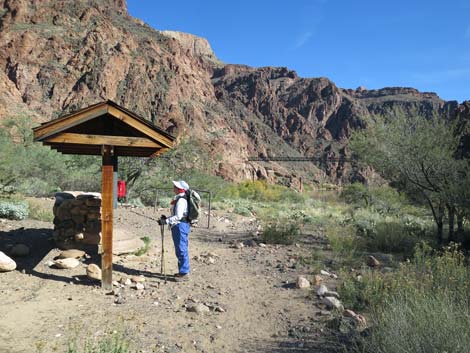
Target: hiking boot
x: 181, y: 277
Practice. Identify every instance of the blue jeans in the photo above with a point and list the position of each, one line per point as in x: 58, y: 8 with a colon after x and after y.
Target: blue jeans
x: 180, y: 233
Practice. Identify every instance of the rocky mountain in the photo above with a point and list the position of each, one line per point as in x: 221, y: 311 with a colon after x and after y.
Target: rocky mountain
x: 57, y: 56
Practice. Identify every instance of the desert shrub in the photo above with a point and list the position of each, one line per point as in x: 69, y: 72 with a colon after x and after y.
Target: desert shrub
x: 365, y: 221
x: 143, y: 250
x: 421, y: 323
x: 39, y: 213
x: 345, y: 244
x: 395, y: 234
x: 421, y: 307
x: 281, y: 232
x: 262, y: 192
x: 381, y: 199
x: 115, y: 342
x: 356, y: 194
x: 391, y: 237
x: 242, y: 211
x: 13, y: 209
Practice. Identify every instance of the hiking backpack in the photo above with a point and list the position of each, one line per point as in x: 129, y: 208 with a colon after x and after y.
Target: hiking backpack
x: 194, y: 204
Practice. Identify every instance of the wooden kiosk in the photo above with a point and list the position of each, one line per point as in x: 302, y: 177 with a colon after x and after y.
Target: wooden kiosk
x: 109, y: 130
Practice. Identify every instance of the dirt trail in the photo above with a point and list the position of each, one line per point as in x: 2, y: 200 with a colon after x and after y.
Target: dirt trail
x: 254, y: 305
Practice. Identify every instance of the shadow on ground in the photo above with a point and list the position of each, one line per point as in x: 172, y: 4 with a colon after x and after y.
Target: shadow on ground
x: 311, y: 343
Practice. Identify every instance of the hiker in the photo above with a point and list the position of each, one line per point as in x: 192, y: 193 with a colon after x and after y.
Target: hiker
x: 180, y: 227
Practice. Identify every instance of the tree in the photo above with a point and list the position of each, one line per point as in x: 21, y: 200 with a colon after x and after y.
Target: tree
x: 418, y: 155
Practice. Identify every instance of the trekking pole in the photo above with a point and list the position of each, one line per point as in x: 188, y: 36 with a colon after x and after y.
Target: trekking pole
x: 162, y: 265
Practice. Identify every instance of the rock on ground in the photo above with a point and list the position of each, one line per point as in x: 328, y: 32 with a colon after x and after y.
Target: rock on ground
x: 93, y: 272
x: 66, y: 263
x: 6, y: 263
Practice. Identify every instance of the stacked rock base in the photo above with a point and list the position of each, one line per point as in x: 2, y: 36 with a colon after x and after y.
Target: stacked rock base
x: 77, y: 219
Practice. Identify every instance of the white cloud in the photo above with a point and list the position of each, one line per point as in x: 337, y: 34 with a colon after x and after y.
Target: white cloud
x: 302, y: 39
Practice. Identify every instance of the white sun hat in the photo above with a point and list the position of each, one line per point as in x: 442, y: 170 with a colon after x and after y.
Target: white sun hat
x: 181, y: 184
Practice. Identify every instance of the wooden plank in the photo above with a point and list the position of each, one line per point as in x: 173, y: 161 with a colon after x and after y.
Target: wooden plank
x: 107, y: 220
x: 54, y: 127
x: 87, y: 139
x: 159, y: 152
x: 118, y: 114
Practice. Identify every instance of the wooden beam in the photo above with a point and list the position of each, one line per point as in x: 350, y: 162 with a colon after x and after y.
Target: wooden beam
x: 159, y: 152
x: 118, y: 114
x: 54, y: 127
x: 107, y: 219
x: 87, y: 139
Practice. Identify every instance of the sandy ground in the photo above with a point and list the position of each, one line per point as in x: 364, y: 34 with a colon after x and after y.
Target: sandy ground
x: 254, y: 305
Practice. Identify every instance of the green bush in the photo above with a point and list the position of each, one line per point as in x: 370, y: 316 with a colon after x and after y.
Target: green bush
x: 11, y: 209
x: 143, y: 250
x: 391, y: 237
x: 422, y: 307
x: 356, y: 194
x: 281, y: 233
x: 242, y: 211
x: 262, y: 192
x: 431, y: 323
x: 428, y: 272
x: 114, y: 342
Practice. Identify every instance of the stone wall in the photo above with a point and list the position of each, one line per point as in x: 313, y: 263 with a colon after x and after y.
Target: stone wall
x: 77, y: 219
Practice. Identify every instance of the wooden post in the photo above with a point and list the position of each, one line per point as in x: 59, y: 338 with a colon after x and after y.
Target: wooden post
x: 107, y: 217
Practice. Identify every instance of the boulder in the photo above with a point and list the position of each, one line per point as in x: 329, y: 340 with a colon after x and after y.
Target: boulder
x: 6, y: 263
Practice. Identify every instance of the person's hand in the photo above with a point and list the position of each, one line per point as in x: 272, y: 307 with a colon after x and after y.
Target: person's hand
x: 162, y: 220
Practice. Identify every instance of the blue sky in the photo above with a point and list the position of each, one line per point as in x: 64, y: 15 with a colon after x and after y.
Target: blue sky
x: 381, y: 43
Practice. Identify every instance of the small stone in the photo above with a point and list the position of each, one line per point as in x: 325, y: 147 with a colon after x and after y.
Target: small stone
x: 119, y: 300
x: 349, y: 313
x: 93, y: 272
x: 332, y: 302
x: 139, y: 286
x: 68, y: 263
x: 262, y: 245
x: 317, y: 279
x: 79, y: 236
x: 6, y: 263
x: 322, y: 290
x: 361, y: 320
x: 198, y: 308
x: 302, y: 283
x: 138, y: 279
x: 238, y: 245
x: 371, y: 261
x: 332, y: 294
x: 324, y: 273
x: 72, y: 253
